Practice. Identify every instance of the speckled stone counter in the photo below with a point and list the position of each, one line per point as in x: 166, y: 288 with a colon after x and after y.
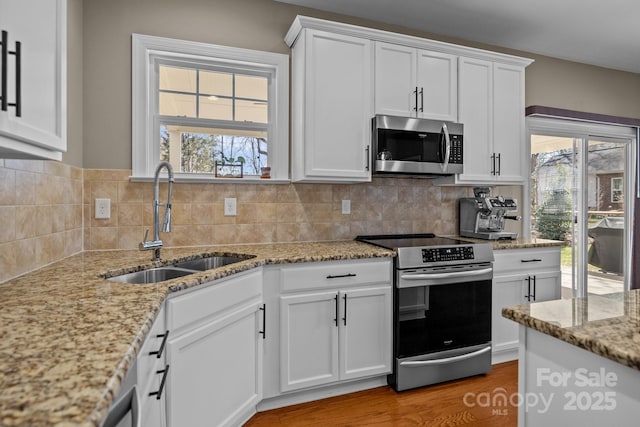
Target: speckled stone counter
x: 606, y: 325
x: 520, y: 243
x: 68, y: 336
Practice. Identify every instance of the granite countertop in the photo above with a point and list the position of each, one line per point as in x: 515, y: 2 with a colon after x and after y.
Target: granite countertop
x: 68, y: 336
x: 606, y: 325
x: 519, y: 243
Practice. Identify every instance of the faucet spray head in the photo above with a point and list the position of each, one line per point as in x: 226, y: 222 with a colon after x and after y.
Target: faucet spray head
x: 166, y: 223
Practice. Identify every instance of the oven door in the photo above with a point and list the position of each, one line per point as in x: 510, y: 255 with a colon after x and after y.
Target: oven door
x: 442, y: 325
x: 440, y: 310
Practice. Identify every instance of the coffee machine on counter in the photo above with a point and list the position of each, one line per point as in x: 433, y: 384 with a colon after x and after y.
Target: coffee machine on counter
x: 483, y: 216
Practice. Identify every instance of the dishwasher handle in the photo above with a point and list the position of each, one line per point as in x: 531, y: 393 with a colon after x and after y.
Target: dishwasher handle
x: 130, y: 401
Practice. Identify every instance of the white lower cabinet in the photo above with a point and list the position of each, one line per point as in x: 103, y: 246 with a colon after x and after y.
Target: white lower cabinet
x: 520, y: 276
x: 336, y: 334
x: 215, y: 353
x: 152, y: 375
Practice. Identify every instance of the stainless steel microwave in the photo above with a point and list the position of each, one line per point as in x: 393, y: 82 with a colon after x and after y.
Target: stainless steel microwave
x: 411, y: 146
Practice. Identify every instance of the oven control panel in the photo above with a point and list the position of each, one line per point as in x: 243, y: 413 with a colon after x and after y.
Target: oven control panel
x: 454, y: 253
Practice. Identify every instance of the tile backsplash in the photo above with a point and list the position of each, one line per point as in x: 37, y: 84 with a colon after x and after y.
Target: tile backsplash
x: 266, y: 212
x: 40, y: 214
x: 47, y: 211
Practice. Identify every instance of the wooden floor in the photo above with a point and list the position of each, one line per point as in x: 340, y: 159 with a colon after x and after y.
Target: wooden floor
x: 437, y: 405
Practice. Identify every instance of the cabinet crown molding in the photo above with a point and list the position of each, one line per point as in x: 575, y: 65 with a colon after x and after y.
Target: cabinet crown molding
x: 301, y: 22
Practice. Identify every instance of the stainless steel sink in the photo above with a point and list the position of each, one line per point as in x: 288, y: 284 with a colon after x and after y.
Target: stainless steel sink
x: 202, y: 264
x: 179, y: 269
x: 152, y: 275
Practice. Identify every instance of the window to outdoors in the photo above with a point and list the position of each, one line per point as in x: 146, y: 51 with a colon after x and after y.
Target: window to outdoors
x: 210, y: 110
x: 579, y: 176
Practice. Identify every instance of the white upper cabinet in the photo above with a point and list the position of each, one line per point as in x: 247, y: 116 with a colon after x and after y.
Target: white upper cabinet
x: 343, y: 74
x: 35, y: 79
x: 332, y: 107
x: 491, y: 107
x: 415, y: 82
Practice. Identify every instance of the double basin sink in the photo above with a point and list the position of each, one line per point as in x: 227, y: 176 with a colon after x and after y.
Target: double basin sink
x: 179, y: 269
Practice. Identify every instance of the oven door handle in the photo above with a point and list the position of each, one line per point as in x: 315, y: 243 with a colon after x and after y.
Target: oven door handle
x: 448, y: 275
x: 419, y: 363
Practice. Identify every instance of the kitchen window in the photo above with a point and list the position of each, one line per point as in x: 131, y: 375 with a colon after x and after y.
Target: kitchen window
x: 209, y: 110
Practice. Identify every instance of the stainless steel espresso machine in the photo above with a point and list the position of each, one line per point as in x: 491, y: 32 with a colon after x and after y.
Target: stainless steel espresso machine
x: 483, y: 216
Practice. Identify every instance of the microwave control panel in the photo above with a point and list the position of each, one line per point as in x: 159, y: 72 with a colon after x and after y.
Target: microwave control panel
x: 456, y: 149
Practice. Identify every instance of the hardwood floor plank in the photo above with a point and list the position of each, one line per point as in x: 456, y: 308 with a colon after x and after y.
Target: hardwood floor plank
x: 441, y: 405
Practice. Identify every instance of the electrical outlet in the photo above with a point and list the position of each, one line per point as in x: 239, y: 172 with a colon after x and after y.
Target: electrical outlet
x: 346, y: 207
x: 230, y: 206
x: 103, y: 208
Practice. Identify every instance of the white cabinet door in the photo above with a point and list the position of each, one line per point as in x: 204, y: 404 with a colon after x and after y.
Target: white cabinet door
x: 517, y: 274
x: 437, y: 84
x: 309, y: 340
x: 215, y: 374
x: 40, y: 129
x: 365, y: 332
x: 506, y: 292
x: 541, y: 286
x: 508, y: 127
x: 332, y: 107
x: 476, y: 114
x: 414, y: 82
x: 395, y: 80
x: 491, y: 107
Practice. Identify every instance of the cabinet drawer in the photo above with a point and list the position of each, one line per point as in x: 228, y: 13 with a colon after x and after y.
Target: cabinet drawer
x: 526, y: 260
x: 206, y: 302
x: 151, y: 354
x: 325, y: 275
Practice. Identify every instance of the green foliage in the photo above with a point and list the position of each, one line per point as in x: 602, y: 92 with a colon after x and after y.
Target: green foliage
x: 553, y: 217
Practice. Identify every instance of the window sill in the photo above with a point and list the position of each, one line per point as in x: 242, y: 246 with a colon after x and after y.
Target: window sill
x: 205, y: 178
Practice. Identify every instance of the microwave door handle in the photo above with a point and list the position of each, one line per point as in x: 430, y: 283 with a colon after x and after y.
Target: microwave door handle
x: 447, y: 149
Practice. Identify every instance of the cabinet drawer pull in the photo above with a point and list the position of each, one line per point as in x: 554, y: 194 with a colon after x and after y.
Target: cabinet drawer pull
x: 338, y: 276
x: 164, y: 372
x: 158, y: 352
x: 263, y: 332
x: 531, y: 260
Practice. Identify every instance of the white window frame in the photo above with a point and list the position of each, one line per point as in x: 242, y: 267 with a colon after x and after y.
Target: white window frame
x: 621, y: 181
x: 145, y: 148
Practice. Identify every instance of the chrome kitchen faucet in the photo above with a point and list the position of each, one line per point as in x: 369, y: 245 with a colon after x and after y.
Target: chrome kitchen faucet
x: 156, y: 243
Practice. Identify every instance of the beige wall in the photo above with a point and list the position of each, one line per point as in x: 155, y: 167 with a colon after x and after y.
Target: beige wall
x: 262, y: 24
x: 74, y: 153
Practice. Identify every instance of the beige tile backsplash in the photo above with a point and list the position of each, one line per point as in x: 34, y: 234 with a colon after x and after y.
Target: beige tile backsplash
x: 266, y: 212
x: 40, y: 214
x: 47, y: 212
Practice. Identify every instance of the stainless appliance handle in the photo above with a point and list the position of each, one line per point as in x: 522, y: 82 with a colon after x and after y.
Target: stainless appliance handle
x: 448, y: 275
x: 447, y: 147
x: 419, y: 363
x: 128, y: 402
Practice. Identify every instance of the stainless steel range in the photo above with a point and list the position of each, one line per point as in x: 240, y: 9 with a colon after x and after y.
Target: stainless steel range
x: 442, y: 308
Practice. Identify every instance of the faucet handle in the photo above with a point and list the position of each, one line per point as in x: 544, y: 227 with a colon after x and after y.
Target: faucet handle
x: 146, y: 234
